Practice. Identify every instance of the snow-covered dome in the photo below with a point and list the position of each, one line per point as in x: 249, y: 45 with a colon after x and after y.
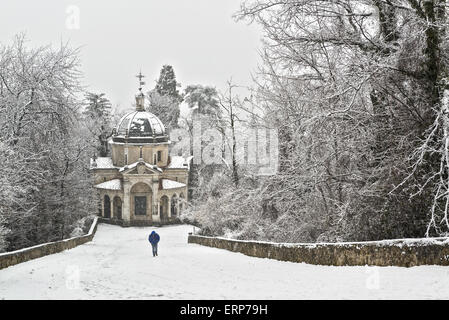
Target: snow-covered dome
x: 140, y: 126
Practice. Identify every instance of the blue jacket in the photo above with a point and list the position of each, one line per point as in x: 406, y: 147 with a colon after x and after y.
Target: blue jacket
x: 154, y: 238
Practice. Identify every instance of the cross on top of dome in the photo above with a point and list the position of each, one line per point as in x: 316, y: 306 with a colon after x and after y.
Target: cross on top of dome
x: 140, y: 98
x: 141, y: 83
x: 140, y: 126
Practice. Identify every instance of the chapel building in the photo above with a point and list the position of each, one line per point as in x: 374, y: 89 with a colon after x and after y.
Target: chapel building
x: 141, y: 184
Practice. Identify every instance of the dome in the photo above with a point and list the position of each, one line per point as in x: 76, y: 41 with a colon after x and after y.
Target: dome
x: 140, y: 126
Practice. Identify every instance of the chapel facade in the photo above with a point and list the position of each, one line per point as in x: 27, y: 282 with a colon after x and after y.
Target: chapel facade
x: 141, y: 184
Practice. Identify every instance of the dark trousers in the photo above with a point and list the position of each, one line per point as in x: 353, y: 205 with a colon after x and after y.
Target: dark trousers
x: 154, y: 246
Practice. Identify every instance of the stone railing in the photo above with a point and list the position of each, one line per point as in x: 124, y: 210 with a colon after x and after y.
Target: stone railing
x: 14, y: 257
x: 137, y: 223
x: 401, y: 252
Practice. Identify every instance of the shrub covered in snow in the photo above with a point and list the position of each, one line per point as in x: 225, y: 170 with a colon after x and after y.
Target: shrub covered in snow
x: 82, y: 226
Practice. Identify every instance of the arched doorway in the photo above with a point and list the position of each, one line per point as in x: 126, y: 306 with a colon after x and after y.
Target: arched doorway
x: 117, y: 207
x: 174, y: 206
x: 107, y: 207
x: 163, y: 210
x: 141, y: 197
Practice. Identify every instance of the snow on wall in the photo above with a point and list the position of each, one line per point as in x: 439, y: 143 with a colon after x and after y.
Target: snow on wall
x: 399, y: 252
x: 14, y: 257
x: 178, y: 162
x: 171, y: 184
x: 380, y: 243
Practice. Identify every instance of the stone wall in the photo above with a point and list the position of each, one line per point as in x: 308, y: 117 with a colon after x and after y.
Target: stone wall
x: 11, y: 258
x: 402, y: 252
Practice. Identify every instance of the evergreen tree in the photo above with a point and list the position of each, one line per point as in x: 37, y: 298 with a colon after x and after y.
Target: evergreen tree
x: 202, y: 100
x: 165, y: 98
x: 167, y: 85
x: 204, y: 107
x: 164, y: 107
x: 97, y: 106
x: 98, y: 115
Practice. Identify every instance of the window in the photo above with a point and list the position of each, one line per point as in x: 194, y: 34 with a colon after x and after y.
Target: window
x: 140, y: 205
x: 107, y: 207
x: 159, y: 156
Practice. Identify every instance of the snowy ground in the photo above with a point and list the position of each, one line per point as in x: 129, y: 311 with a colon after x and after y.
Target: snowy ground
x: 118, y: 264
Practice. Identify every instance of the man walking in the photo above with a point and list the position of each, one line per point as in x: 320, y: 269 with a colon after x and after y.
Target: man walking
x: 154, y: 239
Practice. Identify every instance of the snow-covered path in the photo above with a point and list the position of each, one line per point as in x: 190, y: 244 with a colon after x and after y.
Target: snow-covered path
x: 118, y: 264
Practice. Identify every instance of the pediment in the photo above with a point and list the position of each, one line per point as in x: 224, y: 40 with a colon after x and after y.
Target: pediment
x: 140, y: 168
x: 141, y: 171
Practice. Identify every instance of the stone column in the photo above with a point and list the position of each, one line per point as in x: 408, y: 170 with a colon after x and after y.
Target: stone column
x: 112, y: 206
x: 169, y: 208
x: 126, y: 206
x: 156, y: 215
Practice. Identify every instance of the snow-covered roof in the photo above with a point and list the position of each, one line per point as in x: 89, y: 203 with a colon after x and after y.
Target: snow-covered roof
x: 178, y: 162
x: 170, y: 184
x: 102, y: 163
x: 115, y: 184
x: 133, y: 165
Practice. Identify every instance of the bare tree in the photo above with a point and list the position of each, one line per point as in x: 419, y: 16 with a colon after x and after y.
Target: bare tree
x: 46, y: 186
x: 229, y: 104
x: 353, y: 88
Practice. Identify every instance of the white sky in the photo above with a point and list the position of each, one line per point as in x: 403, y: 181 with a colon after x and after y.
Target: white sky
x: 199, y: 38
